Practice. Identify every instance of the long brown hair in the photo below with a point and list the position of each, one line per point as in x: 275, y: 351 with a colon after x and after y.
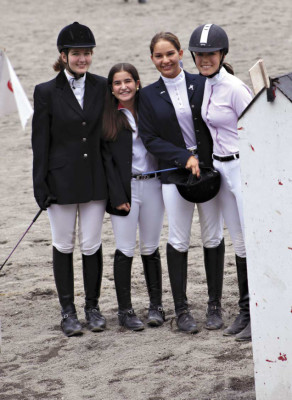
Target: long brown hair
x: 113, y: 120
x: 59, y: 65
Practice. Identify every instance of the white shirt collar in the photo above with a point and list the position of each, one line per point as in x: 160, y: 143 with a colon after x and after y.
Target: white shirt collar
x: 218, y: 77
x: 77, y: 83
x: 174, y: 81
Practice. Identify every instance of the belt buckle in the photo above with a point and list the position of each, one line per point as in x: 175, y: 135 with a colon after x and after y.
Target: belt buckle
x: 139, y: 177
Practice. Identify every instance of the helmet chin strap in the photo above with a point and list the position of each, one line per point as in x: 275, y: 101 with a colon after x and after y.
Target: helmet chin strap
x: 218, y: 70
x: 68, y: 68
x: 76, y: 76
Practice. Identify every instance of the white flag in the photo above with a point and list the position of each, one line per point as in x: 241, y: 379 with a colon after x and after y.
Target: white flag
x: 12, y: 95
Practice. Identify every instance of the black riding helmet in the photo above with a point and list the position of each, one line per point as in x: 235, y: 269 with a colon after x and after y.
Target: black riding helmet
x: 75, y: 35
x: 193, y: 189
x: 207, y: 38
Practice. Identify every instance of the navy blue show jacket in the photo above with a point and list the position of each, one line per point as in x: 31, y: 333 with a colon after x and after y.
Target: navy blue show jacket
x: 160, y: 130
x: 118, y: 166
x: 66, y: 141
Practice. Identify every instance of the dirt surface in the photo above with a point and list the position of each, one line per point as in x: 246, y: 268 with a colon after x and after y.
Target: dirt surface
x: 37, y: 361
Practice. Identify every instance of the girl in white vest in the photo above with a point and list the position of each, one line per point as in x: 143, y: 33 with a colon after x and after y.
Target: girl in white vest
x: 225, y: 98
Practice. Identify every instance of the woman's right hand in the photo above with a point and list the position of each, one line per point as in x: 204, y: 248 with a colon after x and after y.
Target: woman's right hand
x: 193, y: 165
x: 124, y: 206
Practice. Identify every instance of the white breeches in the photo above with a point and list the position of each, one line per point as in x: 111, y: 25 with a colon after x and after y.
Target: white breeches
x: 230, y: 202
x: 147, y: 212
x: 63, y: 226
x: 180, y: 215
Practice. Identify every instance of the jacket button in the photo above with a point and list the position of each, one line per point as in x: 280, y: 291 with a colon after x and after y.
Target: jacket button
x: 83, y: 123
x: 193, y: 106
x: 84, y: 139
x: 85, y: 155
x: 195, y: 119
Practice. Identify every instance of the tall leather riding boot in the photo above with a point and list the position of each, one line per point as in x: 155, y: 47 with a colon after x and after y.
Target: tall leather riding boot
x: 243, y: 318
x: 214, y: 266
x: 153, y: 277
x: 177, y: 268
x: 92, y: 276
x: 64, y: 279
x: 122, y: 277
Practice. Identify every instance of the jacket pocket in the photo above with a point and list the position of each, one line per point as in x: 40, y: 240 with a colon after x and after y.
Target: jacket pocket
x: 56, y: 162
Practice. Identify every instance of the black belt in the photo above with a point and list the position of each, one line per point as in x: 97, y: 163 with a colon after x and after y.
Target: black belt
x: 141, y: 177
x: 226, y: 158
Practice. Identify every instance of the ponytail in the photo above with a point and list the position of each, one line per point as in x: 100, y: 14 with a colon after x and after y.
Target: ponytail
x: 59, y: 65
x: 228, y: 68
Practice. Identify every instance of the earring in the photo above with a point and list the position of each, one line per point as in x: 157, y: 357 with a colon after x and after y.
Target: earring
x: 113, y: 93
x: 137, y: 88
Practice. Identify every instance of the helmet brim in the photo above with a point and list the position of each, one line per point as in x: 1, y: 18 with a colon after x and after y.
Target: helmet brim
x: 76, y: 46
x: 205, y: 49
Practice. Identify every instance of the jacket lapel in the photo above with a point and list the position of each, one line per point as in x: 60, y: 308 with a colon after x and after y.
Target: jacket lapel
x: 65, y: 91
x: 162, y: 91
x: 90, y: 92
x: 191, y: 85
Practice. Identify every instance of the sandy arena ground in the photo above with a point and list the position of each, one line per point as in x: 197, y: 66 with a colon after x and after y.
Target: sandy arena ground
x: 37, y: 361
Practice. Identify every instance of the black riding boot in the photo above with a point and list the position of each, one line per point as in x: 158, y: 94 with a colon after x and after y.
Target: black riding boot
x: 243, y: 318
x: 92, y: 276
x: 122, y: 276
x: 64, y: 279
x: 214, y: 266
x: 177, y: 268
x: 153, y: 277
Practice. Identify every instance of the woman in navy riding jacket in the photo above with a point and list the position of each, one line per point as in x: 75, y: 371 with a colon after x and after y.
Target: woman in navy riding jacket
x: 68, y: 173
x: 172, y: 129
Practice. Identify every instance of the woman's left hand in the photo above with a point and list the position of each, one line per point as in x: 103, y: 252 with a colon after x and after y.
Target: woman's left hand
x: 124, y: 206
x: 193, y: 165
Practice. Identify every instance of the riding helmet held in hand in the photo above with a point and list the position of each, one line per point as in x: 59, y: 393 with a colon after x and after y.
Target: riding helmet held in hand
x: 193, y: 189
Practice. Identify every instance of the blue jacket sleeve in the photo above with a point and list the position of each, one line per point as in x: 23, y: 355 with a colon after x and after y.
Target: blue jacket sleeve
x: 156, y: 136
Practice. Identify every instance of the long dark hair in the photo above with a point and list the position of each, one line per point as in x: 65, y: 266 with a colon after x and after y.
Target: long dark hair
x: 113, y: 120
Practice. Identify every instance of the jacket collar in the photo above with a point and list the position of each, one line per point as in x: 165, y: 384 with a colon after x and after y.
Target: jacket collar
x: 61, y: 79
x: 161, y: 89
x: 191, y: 84
x: 67, y: 94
